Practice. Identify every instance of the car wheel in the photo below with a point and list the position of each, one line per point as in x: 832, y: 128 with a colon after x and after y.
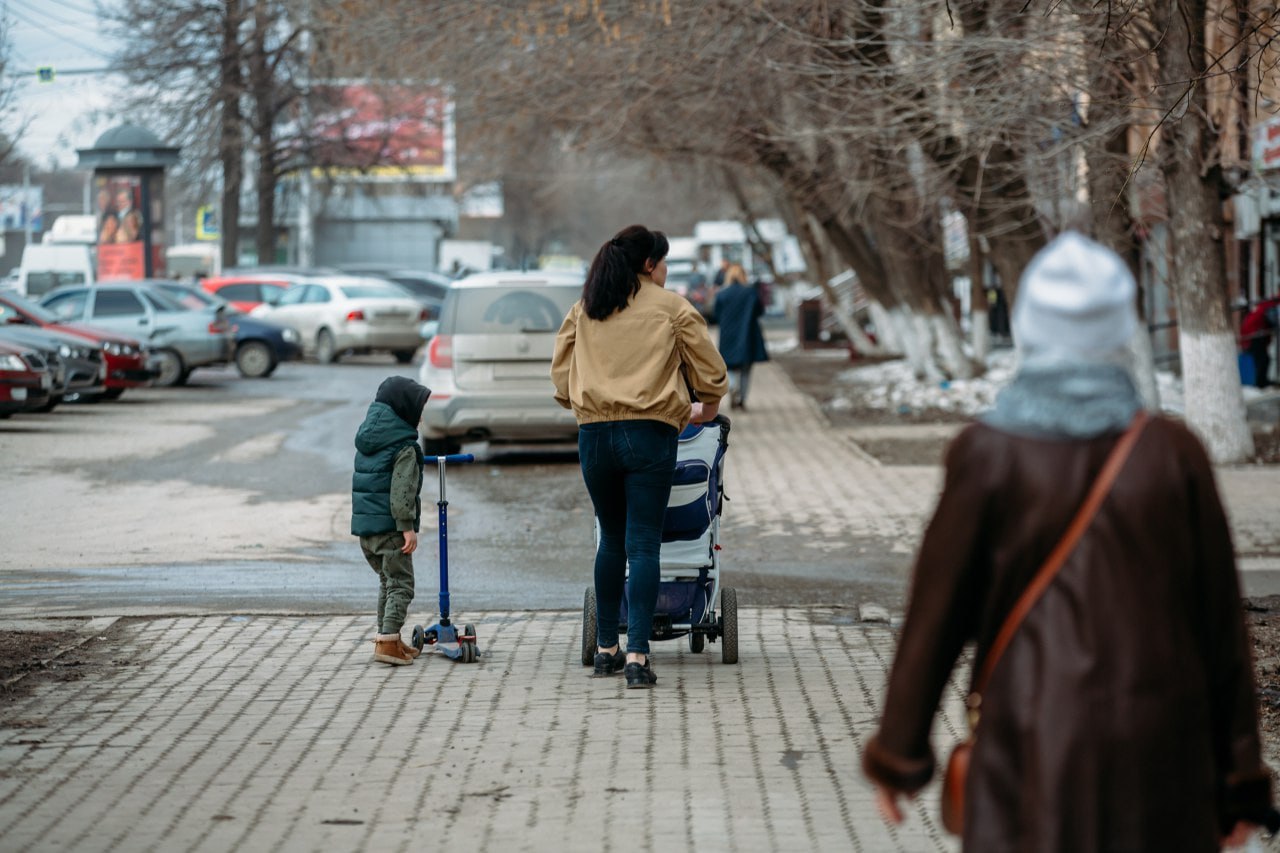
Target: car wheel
x: 440, y: 446
x: 170, y: 370
x: 326, y: 349
x: 255, y: 359
x: 404, y: 356
x: 54, y: 400
x: 112, y: 393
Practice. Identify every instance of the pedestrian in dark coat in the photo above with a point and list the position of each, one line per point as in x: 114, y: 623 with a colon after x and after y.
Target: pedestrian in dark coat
x: 1121, y: 715
x: 738, y: 309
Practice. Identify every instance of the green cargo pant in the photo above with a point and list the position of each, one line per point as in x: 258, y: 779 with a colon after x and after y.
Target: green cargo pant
x: 395, y: 578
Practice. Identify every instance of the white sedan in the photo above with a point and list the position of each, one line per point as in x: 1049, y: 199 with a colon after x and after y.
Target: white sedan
x: 347, y: 314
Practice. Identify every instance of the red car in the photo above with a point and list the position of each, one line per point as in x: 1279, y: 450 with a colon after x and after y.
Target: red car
x: 25, y: 381
x: 124, y: 358
x: 245, y: 292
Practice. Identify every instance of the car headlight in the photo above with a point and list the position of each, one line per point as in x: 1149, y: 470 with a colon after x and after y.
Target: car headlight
x: 11, y: 362
x: 290, y: 336
x: 116, y: 348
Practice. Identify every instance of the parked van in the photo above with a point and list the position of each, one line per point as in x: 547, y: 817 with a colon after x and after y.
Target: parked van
x: 193, y: 260
x: 46, y: 266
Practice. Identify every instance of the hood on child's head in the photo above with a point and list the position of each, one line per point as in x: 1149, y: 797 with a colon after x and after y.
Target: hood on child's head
x: 405, y: 397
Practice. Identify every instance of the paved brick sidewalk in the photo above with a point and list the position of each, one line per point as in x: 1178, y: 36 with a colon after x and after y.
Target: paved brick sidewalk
x: 827, y: 490
x: 279, y: 733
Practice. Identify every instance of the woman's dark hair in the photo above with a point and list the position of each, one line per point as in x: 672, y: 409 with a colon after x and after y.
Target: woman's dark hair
x: 615, y: 271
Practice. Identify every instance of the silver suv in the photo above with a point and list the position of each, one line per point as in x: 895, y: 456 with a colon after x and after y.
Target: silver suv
x: 489, y: 364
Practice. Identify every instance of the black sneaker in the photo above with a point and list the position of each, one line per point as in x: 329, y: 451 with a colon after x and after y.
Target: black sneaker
x: 639, y: 675
x: 609, y: 664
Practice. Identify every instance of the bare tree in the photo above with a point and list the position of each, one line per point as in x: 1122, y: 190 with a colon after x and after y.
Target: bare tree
x: 12, y: 126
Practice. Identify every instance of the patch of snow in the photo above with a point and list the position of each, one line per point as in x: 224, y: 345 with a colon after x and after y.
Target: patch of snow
x: 892, y: 386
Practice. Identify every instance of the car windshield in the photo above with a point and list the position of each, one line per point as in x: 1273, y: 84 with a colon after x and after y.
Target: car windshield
x: 373, y: 290
x: 26, y: 306
x: 163, y: 301
x: 512, y: 308
x: 189, y: 297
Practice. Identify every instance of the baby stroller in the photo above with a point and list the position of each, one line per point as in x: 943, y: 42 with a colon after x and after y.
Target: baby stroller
x: 689, y: 591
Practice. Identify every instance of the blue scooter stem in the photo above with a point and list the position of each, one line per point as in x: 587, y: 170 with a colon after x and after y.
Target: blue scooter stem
x: 443, y: 505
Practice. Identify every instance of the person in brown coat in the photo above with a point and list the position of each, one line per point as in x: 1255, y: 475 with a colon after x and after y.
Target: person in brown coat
x: 1122, y: 713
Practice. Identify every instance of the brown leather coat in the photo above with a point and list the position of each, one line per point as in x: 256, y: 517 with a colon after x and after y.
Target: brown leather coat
x: 1122, y: 715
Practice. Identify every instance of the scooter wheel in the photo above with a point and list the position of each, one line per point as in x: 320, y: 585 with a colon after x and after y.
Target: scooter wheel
x: 419, y: 637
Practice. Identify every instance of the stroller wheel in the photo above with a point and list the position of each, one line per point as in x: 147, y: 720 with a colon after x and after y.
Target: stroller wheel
x: 589, y: 627
x: 697, y: 641
x: 729, y: 625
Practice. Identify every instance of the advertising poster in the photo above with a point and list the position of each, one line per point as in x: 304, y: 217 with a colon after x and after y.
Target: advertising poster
x: 121, y: 252
x: 388, y: 131
x: 154, y: 223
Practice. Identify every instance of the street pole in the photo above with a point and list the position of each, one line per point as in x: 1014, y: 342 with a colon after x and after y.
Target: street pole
x: 28, y: 213
x: 306, y: 223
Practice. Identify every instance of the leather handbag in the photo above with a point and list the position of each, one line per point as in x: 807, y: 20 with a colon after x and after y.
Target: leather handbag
x: 953, y: 783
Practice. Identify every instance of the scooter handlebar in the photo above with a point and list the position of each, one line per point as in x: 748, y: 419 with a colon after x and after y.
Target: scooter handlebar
x: 453, y: 457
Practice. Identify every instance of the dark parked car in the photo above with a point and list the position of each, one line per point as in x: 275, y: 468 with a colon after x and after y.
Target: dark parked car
x: 81, y: 361
x: 125, y: 357
x: 260, y: 345
x: 26, y: 379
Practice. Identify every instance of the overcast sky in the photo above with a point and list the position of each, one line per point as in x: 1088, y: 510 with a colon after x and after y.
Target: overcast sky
x: 66, y: 35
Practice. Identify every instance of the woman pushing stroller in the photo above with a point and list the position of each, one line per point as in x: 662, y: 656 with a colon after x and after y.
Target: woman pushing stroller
x: 626, y: 359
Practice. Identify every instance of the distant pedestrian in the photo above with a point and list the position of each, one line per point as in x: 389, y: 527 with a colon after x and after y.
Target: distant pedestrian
x: 1120, y: 714
x: 1257, y: 330
x: 722, y: 273
x: 737, y: 310
x: 626, y: 358
x: 386, y: 509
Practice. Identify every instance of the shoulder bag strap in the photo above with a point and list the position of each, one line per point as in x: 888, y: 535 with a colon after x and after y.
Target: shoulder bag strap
x: 1084, y: 516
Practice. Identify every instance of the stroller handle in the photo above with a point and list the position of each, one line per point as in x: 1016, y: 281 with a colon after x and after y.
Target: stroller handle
x: 453, y: 457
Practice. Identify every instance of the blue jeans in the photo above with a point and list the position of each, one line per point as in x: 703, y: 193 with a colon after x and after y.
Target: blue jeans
x: 627, y: 466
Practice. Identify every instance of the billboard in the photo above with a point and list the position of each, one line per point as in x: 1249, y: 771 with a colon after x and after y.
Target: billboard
x: 383, y: 131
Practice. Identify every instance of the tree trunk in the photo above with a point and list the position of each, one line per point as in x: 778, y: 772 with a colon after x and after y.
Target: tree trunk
x: 1207, y: 341
x: 1109, y: 164
x: 231, y: 141
x: 979, y: 317
x: 915, y: 267
x: 261, y: 85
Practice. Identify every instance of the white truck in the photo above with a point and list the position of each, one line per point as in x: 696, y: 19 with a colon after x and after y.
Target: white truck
x: 65, y: 257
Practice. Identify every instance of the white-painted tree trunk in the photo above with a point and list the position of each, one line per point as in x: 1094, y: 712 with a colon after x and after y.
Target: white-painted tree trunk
x: 980, y: 335
x: 946, y: 338
x: 886, y: 329
x: 1144, y: 368
x: 849, y: 325
x: 917, y: 334
x: 1212, y: 395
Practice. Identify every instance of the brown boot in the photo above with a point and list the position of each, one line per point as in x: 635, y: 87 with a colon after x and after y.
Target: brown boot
x: 410, y: 650
x: 388, y: 648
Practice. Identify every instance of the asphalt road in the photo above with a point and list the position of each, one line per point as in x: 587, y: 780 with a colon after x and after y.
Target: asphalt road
x: 232, y: 495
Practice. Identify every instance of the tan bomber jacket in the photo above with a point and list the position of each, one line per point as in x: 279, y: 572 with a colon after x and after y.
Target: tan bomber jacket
x: 633, y: 364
